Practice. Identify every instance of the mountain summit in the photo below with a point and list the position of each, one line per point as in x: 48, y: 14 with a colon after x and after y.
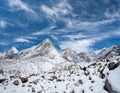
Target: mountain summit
x: 45, y: 48
x: 10, y: 54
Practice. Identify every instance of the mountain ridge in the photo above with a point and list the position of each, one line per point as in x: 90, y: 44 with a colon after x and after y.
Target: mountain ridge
x: 47, y: 49
x: 42, y: 66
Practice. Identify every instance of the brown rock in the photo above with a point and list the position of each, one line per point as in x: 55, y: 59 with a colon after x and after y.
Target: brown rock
x: 23, y: 79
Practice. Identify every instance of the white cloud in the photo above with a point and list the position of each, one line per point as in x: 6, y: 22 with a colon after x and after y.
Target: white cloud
x: 4, y: 43
x: 83, y: 45
x: 22, y: 40
x: 78, y: 46
x: 19, y: 5
x: 86, y: 25
x: 58, y: 10
x: 73, y: 37
x: 3, y: 24
x: 112, y: 15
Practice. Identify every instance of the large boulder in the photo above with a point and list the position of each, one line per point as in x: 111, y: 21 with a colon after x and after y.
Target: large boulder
x: 112, y: 84
x: 112, y: 65
x: 108, y: 87
x: 23, y: 79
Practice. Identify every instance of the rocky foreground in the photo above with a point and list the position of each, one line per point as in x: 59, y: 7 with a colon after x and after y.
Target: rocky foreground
x: 42, y: 69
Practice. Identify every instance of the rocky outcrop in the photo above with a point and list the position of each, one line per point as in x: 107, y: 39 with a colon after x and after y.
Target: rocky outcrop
x: 112, y: 65
x: 70, y: 55
x: 108, y: 87
x: 109, y: 52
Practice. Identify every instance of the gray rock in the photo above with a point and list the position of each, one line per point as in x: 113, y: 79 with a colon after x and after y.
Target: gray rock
x: 2, y: 80
x: 108, y: 87
x: 16, y: 82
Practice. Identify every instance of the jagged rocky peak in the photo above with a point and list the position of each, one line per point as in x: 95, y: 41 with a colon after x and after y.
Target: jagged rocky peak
x: 84, y: 57
x: 70, y: 55
x: 45, y: 48
x: 45, y: 44
x: 109, y: 52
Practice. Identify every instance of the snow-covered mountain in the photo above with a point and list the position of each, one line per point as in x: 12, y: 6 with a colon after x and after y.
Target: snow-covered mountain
x: 45, y: 48
x: 43, y: 69
x: 10, y: 54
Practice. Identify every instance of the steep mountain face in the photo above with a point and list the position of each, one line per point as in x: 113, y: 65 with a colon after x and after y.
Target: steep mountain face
x: 70, y: 55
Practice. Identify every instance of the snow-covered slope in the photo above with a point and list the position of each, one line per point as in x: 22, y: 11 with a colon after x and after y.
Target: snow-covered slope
x: 114, y: 79
x: 45, y: 48
x: 10, y: 54
x: 42, y: 69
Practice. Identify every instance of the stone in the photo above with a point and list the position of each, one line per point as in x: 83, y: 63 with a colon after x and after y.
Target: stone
x: 2, y: 80
x: 33, y: 89
x: 23, y: 79
x: 111, y: 66
x: 16, y: 82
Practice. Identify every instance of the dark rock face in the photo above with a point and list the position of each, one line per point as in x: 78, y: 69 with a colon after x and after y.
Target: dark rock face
x: 84, y: 57
x: 107, y: 86
x: 16, y: 82
x: 112, y: 66
x: 23, y: 79
x: 1, y: 71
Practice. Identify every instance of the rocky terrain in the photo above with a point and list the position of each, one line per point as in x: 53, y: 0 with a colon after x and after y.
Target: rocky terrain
x: 43, y: 69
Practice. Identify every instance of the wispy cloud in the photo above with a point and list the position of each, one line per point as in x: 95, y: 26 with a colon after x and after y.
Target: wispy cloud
x: 38, y: 33
x: 84, y: 44
x: 4, y: 43
x: 78, y: 46
x: 115, y: 14
x: 25, y: 39
x: 3, y: 24
x: 57, y: 11
x: 19, y: 5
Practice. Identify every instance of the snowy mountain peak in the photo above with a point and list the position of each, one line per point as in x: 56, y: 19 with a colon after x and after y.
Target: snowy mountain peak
x: 10, y: 54
x: 45, y: 48
x: 109, y: 52
x: 45, y: 43
x: 13, y: 50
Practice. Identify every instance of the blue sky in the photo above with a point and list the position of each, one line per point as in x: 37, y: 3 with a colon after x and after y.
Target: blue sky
x: 82, y: 25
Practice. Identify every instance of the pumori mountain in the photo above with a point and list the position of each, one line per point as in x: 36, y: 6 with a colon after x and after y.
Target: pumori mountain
x: 44, y: 69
